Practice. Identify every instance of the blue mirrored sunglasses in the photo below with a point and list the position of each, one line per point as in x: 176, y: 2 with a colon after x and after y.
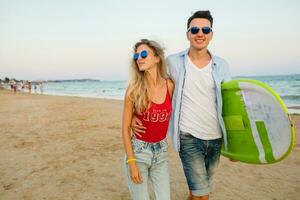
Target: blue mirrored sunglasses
x: 143, y: 54
x: 205, y: 30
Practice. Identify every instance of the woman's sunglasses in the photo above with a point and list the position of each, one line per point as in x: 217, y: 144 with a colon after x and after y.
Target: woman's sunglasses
x: 143, y: 54
x: 205, y: 30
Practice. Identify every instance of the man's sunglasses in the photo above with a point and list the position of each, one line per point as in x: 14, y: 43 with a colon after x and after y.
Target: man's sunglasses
x: 143, y: 54
x: 205, y: 30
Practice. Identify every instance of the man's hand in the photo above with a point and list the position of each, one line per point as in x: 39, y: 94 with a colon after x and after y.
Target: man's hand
x: 232, y: 160
x: 137, y: 127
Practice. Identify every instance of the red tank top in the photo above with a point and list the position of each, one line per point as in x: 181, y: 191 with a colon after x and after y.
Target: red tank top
x: 156, y: 120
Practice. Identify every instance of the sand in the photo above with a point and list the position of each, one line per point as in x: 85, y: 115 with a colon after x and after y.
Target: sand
x: 55, y: 147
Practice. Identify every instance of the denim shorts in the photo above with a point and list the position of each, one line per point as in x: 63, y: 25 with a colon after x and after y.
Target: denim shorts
x: 199, y: 159
x: 152, y: 161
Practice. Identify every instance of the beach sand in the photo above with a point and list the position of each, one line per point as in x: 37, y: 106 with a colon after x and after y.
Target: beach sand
x: 55, y: 147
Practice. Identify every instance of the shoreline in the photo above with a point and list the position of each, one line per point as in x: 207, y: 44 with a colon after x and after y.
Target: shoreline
x: 62, y: 95
x: 293, y: 109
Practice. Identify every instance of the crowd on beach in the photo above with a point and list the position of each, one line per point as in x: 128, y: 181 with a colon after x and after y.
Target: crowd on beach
x: 22, y: 86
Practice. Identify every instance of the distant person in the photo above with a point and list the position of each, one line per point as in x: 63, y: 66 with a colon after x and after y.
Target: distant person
x: 196, y: 125
x: 29, y: 87
x: 11, y: 85
x: 22, y: 86
x: 41, y: 87
x: 2, y: 86
x: 14, y: 86
x: 35, y: 87
x: 148, y: 97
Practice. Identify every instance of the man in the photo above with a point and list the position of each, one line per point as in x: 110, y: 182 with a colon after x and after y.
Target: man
x: 196, y: 125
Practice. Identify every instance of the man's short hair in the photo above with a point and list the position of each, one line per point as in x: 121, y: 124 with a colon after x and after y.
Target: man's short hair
x: 201, y: 14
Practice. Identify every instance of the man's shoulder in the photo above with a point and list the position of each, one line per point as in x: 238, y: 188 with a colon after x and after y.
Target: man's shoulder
x: 219, y: 61
x: 176, y: 56
x: 222, y: 68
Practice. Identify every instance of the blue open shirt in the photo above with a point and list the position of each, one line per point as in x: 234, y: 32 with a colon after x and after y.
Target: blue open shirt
x: 177, y: 71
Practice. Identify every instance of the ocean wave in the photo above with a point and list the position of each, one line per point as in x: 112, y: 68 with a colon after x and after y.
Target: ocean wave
x: 291, y: 97
x: 295, y: 86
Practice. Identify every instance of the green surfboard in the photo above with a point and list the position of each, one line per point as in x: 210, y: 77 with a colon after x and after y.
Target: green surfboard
x: 258, y: 127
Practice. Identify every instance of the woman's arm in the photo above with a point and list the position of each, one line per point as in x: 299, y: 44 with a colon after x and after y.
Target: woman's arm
x: 126, y: 131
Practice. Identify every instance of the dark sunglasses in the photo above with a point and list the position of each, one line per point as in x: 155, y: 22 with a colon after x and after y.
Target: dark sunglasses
x: 205, y: 30
x: 143, y: 54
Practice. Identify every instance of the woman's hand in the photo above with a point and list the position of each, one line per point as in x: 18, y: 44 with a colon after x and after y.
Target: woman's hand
x: 135, y: 173
x: 137, y: 127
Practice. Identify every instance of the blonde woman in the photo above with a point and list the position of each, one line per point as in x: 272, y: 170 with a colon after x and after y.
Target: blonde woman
x: 148, y: 98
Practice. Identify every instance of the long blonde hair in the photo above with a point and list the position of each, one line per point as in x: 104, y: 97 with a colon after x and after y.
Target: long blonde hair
x: 138, y: 88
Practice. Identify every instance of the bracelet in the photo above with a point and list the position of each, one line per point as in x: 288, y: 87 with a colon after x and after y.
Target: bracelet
x: 131, y: 160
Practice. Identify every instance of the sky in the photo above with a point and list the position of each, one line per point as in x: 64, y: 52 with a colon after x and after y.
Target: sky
x: 76, y: 39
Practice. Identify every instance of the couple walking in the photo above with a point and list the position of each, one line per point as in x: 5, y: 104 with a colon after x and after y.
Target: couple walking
x: 182, y: 96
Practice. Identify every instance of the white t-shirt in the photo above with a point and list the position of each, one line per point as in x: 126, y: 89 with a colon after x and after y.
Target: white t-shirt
x: 199, y: 105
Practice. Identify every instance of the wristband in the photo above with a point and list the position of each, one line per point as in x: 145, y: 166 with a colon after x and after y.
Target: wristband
x: 131, y: 160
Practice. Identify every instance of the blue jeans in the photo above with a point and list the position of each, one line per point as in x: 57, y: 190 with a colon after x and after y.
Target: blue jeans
x: 152, y: 160
x: 199, y: 159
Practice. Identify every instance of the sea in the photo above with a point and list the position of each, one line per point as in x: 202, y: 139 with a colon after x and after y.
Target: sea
x: 287, y: 86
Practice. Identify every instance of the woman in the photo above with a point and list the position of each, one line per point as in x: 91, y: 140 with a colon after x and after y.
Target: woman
x: 148, y: 97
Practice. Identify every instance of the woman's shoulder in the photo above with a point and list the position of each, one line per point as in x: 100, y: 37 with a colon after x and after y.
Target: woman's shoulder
x: 169, y: 81
x: 170, y: 85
